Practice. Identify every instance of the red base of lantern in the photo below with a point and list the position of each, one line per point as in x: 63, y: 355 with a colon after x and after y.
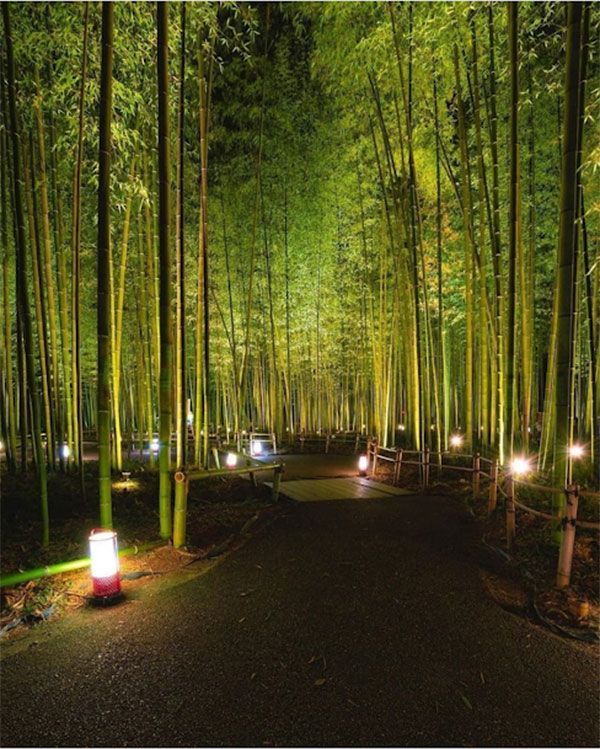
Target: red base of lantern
x: 107, y: 589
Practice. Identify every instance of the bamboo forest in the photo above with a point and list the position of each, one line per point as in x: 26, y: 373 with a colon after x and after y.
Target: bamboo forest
x: 261, y: 255
x: 370, y: 217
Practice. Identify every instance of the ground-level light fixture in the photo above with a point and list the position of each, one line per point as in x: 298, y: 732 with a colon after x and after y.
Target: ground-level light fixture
x: 256, y: 447
x: 231, y: 460
x: 363, y: 465
x: 190, y: 418
x: 104, y: 556
x: 520, y: 466
x: 456, y: 440
x: 126, y: 475
x: 576, y: 452
x: 401, y: 428
x: 65, y: 451
x: 154, y: 445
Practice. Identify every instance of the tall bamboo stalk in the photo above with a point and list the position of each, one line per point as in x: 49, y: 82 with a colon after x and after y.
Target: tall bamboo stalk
x: 164, y: 234
x: 104, y: 317
x: 23, y: 309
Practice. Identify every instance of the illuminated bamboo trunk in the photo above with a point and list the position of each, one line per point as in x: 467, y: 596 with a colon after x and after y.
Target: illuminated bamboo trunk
x: 164, y: 233
x: 104, y: 317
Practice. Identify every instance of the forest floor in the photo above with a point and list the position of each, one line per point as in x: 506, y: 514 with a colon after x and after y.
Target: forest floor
x: 357, y: 622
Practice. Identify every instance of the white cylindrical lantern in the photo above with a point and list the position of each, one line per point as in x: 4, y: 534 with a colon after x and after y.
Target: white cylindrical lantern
x: 256, y: 447
x: 154, y: 445
x: 231, y: 460
x: 363, y: 465
x: 104, y: 555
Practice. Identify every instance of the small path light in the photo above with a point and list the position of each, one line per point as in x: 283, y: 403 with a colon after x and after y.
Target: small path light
x: 126, y: 475
x: 363, y: 465
x: 456, y: 440
x: 190, y: 418
x: 104, y: 555
x: 520, y: 466
x: 401, y: 428
x: 65, y: 451
x: 256, y: 448
x: 576, y: 452
x: 154, y: 445
x: 231, y: 460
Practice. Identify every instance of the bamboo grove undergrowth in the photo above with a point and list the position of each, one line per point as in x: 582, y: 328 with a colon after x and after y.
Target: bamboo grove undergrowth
x: 375, y: 217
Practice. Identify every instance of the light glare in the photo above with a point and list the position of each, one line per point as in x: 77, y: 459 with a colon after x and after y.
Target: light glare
x: 576, y: 452
x: 231, y: 460
x: 520, y: 466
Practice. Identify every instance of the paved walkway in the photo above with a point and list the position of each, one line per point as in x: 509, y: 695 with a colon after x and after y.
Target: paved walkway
x: 342, y: 623
x: 325, y: 490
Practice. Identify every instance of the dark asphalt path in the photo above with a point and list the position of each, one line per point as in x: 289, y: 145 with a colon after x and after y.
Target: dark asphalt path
x: 381, y: 599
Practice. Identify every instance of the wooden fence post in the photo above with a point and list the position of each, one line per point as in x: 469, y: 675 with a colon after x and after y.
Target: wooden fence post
x: 215, y: 453
x: 374, y: 448
x: 476, y: 476
x: 569, y: 525
x: 425, y: 467
x: 274, y: 443
x: 251, y: 474
x: 493, y: 492
x: 510, y: 512
x: 357, y: 442
x: 277, y: 471
x: 327, y: 440
x: 397, y: 465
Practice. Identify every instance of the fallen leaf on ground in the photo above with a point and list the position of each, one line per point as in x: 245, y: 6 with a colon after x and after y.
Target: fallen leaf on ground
x: 320, y: 682
x: 243, y: 619
x: 466, y: 701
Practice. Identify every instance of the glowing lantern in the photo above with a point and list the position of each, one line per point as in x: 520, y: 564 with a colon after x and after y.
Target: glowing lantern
x: 401, y: 427
x: 190, y: 418
x: 104, y: 556
x: 154, y: 445
x: 576, y: 452
x: 363, y: 465
x: 520, y: 466
x: 65, y: 451
x: 256, y: 448
x: 231, y: 460
x: 456, y: 440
